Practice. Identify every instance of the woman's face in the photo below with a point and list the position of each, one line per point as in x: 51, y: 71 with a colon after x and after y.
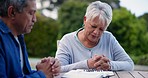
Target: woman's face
x: 93, y: 29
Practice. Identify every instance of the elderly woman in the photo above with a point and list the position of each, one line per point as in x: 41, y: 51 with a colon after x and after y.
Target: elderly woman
x: 92, y: 47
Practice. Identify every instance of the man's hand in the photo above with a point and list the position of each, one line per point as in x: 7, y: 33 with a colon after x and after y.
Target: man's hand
x: 50, y: 66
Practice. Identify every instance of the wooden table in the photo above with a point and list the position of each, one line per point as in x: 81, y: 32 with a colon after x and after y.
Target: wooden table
x: 125, y: 74
x: 130, y: 74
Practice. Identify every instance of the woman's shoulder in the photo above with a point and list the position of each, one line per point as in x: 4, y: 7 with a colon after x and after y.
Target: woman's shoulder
x: 68, y: 35
x: 107, y: 33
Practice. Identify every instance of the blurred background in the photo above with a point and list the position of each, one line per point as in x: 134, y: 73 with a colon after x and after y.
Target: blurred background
x: 58, y: 17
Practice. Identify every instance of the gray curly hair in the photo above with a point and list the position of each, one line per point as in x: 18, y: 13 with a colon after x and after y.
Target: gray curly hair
x: 99, y: 8
x: 17, y: 4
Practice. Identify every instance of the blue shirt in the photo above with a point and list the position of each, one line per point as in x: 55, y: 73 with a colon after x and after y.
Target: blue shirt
x: 10, y: 66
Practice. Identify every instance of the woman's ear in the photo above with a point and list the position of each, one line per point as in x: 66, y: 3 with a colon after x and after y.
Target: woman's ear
x: 84, y: 21
x: 84, y: 18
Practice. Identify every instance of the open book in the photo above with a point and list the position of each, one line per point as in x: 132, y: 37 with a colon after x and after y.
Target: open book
x: 80, y: 73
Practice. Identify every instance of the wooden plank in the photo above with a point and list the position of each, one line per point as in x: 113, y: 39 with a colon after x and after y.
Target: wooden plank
x: 115, y: 76
x: 144, y: 74
x: 136, y: 74
x: 124, y: 74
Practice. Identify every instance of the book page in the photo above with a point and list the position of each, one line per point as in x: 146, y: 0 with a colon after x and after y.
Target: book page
x: 80, y: 73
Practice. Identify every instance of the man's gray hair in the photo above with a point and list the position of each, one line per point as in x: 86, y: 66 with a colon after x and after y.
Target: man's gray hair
x: 97, y: 8
x: 17, y: 4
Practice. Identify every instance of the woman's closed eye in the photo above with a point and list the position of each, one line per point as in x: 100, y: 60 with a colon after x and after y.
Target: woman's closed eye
x: 94, y: 26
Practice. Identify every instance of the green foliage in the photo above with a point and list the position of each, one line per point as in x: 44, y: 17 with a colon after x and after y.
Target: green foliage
x: 145, y: 17
x: 141, y: 59
x: 71, y: 15
x: 129, y: 31
x: 41, y: 41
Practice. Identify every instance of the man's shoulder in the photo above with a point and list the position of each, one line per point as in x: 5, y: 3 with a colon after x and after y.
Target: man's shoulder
x: 3, y: 27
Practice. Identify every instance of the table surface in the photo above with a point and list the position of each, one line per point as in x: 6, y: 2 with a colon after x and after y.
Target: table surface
x: 130, y: 74
x: 126, y: 74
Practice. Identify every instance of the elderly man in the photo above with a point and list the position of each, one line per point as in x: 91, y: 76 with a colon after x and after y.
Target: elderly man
x: 17, y: 17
